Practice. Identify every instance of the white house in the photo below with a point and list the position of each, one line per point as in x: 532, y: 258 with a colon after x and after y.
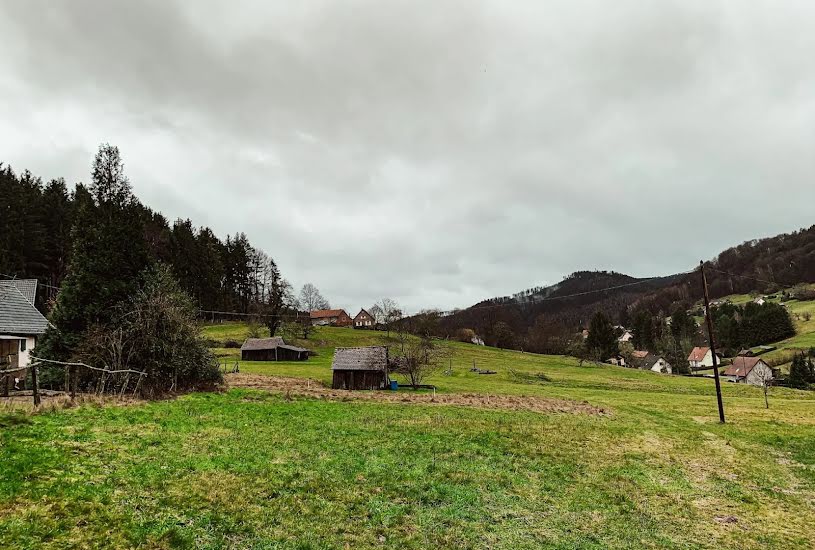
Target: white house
x: 700, y: 358
x: 750, y: 370
x: 656, y: 363
x: 760, y: 301
x: 626, y: 336
x: 20, y: 325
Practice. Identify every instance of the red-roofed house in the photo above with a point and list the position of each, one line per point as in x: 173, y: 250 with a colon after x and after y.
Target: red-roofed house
x: 334, y: 317
x: 751, y: 370
x: 700, y: 358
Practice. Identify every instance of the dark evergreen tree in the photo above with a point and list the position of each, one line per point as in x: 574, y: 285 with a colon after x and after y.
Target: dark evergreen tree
x: 109, y: 253
x: 643, y: 329
x: 800, y: 372
x: 601, y: 342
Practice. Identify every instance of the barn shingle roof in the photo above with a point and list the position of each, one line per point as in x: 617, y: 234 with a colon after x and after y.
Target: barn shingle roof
x: 263, y: 343
x: 374, y: 358
x: 17, y: 313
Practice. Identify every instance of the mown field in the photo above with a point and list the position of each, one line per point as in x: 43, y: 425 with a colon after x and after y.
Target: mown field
x: 248, y: 468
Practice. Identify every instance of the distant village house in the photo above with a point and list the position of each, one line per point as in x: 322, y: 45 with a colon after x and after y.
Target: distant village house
x: 750, y: 370
x: 364, y: 319
x: 700, y: 358
x: 655, y: 363
x: 332, y: 317
x: 271, y: 349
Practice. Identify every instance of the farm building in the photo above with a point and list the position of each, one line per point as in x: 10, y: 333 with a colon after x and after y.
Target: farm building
x: 271, y: 349
x: 626, y: 336
x: 20, y: 325
x: 364, y: 320
x: 363, y: 368
x: 333, y: 317
x: 751, y: 370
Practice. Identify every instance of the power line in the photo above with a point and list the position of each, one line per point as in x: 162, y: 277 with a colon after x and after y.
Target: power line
x: 743, y: 276
x: 38, y: 281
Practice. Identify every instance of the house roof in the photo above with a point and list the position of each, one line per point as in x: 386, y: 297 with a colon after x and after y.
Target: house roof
x: 361, y: 311
x: 698, y: 354
x: 17, y: 313
x: 263, y: 343
x: 323, y: 313
x: 373, y: 358
x: 651, y: 360
x: 639, y: 354
x: 27, y: 287
x: 742, y: 366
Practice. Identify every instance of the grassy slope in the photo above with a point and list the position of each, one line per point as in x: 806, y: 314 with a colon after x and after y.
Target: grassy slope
x: 248, y: 469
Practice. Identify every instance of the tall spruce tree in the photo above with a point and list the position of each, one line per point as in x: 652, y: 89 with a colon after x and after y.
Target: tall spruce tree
x: 800, y: 373
x: 601, y: 342
x: 107, y: 257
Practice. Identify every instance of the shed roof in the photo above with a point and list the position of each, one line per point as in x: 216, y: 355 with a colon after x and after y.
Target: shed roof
x: 742, y: 366
x: 262, y: 343
x: 323, y: 313
x: 17, y: 314
x: 698, y: 353
x: 292, y: 348
x: 373, y: 358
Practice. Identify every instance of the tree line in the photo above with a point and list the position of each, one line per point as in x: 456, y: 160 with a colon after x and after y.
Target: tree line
x: 41, y: 223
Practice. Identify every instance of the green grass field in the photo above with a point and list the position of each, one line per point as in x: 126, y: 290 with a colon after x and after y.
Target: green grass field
x: 248, y: 469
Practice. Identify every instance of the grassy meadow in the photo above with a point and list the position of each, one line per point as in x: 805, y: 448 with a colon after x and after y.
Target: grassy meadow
x: 250, y: 469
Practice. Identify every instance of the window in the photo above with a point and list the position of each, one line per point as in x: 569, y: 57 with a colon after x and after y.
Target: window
x: 22, y: 344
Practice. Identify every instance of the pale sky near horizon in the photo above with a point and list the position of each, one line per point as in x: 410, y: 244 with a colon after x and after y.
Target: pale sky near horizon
x: 436, y: 152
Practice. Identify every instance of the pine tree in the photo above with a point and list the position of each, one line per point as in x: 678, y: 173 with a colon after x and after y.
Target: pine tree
x: 601, y: 341
x: 107, y: 256
x: 800, y: 372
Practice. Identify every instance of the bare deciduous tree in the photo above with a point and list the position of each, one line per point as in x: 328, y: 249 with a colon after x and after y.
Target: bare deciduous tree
x: 311, y: 299
x: 419, y: 359
x: 391, y: 312
x: 765, y: 378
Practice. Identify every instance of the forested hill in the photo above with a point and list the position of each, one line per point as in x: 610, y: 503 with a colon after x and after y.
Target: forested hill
x: 544, y: 318
x: 40, y: 221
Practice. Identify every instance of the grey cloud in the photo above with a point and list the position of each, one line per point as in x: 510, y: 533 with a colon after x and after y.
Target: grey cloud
x: 437, y: 152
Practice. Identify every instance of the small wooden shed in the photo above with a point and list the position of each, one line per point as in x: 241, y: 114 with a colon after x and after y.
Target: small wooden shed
x: 271, y: 349
x: 364, y: 368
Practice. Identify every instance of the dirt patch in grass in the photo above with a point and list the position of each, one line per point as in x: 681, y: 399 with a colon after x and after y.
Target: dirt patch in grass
x: 312, y: 388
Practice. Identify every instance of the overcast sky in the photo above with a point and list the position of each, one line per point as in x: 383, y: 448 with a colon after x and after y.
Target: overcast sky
x: 438, y: 152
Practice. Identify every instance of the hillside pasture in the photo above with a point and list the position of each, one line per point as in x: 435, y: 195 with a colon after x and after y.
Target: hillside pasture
x: 545, y: 453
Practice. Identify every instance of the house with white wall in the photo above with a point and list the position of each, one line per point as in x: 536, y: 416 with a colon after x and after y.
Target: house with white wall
x: 750, y: 370
x: 700, y: 358
x: 20, y: 326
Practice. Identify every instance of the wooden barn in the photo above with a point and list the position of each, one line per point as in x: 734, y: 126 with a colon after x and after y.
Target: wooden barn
x: 360, y: 368
x: 271, y: 349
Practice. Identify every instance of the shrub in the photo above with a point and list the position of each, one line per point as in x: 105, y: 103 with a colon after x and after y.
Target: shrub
x: 156, y: 332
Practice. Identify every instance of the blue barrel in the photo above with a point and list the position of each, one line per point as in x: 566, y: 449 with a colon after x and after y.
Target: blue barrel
x: 394, y: 385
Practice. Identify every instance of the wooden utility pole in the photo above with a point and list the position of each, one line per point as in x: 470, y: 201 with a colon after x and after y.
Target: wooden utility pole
x: 709, y: 320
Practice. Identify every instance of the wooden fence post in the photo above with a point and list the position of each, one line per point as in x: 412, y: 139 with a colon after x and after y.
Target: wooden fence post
x: 35, y: 384
x: 72, y: 382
